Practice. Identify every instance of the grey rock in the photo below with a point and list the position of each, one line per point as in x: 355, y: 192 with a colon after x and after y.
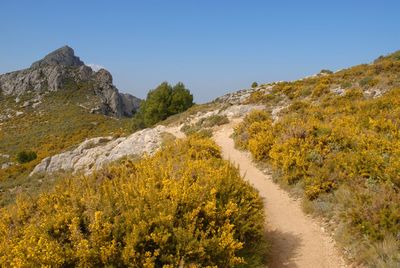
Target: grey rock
x: 236, y: 111
x: 94, y: 153
x: 5, y: 156
x: 57, y: 69
x: 26, y: 104
x: 339, y: 91
x: 130, y: 104
x: 7, y: 165
x: 63, y: 56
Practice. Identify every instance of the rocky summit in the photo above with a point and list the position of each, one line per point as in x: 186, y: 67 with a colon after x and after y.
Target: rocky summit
x: 63, y: 56
x: 61, y: 69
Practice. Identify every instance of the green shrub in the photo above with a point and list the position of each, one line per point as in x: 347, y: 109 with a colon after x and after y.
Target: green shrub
x: 26, y: 156
x: 202, y: 127
x: 325, y: 71
x: 254, y: 85
x: 346, y: 85
x: 190, y: 129
x: 368, y: 82
x: 213, y: 120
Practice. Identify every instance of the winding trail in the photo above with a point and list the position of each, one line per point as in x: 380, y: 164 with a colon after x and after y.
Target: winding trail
x: 296, y: 239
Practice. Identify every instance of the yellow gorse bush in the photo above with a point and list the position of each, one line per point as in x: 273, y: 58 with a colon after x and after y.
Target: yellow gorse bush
x: 182, y: 206
x: 342, y: 147
x: 340, y: 142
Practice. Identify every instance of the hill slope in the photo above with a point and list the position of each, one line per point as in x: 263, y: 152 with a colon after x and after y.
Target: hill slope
x: 331, y: 139
x: 52, y: 106
x: 336, y: 143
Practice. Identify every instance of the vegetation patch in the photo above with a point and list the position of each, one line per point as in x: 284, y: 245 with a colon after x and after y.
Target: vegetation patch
x: 204, y: 125
x: 162, y: 102
x: 342, y: 151
x: 26, y: 156
x: 56, y: 125
x: 347, y: 144
x: 184, y: 206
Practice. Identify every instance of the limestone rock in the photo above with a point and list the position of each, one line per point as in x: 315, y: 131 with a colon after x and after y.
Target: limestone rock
x: 96, y: 152
x: 7, y: 165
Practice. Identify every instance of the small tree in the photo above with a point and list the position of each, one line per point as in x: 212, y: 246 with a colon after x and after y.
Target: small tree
x: 254, y: 85
x: 181, y: 99
x: 155, y: 107
x: 161, y: 102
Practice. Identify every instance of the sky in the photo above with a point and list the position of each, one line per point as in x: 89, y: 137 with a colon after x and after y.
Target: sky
x: 212, y: 46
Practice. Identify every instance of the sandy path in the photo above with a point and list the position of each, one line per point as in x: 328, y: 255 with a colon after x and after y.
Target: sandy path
x: 296, y: 239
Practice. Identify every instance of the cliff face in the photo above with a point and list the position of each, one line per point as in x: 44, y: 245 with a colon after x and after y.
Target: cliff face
x: 61, y: 68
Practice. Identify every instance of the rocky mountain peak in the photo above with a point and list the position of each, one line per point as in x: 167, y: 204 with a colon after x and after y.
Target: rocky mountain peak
x: 61, y: 68
x: 64, y: 56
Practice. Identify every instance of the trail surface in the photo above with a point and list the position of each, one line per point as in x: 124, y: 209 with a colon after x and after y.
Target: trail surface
x: 296, y: 239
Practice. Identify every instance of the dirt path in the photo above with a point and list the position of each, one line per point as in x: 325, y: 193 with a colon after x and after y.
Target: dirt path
x: 296, y: 239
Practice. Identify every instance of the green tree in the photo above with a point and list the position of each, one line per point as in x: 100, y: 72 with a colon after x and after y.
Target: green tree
x: 155, y: 107
x: 161, y: 102
x: 254, y: 85
x: 181, y: 99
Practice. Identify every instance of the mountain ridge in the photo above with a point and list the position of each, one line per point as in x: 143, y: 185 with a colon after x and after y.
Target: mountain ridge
x: 61, y: 68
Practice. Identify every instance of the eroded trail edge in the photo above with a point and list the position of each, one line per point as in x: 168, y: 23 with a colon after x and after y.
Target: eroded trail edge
x: 296, y: 239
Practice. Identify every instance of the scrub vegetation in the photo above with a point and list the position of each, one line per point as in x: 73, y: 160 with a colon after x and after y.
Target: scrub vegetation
x: 342, y: 150
x: 182, y: 207
x: 58, y: 124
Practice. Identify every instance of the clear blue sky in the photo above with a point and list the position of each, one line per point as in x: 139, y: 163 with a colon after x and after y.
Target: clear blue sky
x: 212, y: 46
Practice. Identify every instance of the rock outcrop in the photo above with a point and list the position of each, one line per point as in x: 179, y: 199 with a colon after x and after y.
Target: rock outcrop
x: 94, y: 153
x: 60, y: 68
x: 64, y: 56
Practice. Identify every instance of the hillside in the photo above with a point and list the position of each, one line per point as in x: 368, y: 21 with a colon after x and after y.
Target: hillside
x: 184, y: 206
x: 331, y: 140
x: 53, y: 106
x: 335, y: 142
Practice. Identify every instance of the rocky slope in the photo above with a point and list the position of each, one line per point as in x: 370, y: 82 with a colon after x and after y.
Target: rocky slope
x: 96, y: 152
x: 51, y: 107
x: 61, y: 69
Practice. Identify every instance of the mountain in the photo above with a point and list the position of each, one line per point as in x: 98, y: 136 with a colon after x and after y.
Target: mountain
x: 55, y: 104
x: 61, y: 69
